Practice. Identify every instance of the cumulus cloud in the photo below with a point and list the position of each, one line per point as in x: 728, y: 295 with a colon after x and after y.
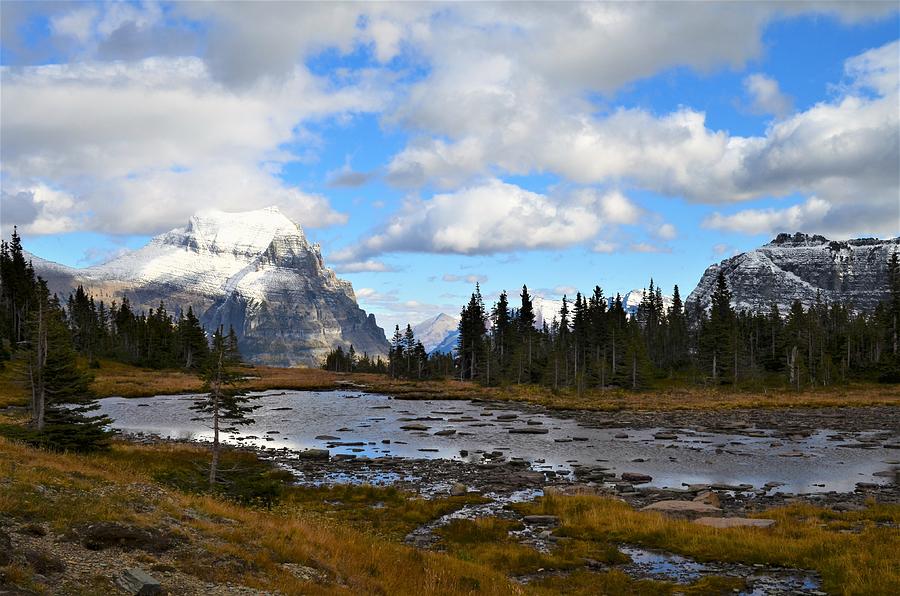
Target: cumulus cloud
x: 766, y: 95
x: 845, y: 150
x: 770, y: 221
x: 141, y: 146
x: 492, y: 217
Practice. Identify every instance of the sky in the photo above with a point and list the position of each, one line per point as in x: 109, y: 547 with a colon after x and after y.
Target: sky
x: 430, y: 146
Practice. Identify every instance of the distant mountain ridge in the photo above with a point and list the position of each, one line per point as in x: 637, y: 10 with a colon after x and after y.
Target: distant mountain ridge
x: 802, y: 267
x: 254, y: 271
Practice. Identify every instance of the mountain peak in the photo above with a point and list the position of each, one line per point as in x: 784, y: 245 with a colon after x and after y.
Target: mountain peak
x: 798, y: 239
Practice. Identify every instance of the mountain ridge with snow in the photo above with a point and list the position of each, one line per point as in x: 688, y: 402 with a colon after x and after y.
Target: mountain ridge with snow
x: 254, y: 271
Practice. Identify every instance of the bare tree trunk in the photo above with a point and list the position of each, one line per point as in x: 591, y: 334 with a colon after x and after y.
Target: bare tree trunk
x: 36, y: 373
x: 217, y: 388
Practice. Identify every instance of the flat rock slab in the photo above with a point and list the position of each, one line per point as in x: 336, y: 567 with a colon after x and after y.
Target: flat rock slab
x: 414, y: 427
x: 734, y: 522
x: 529, y: 431
x: 674, y: 507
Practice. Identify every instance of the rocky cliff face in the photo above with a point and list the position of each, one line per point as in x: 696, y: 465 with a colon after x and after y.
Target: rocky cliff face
x: 800, y: 266
x: 254, y: 271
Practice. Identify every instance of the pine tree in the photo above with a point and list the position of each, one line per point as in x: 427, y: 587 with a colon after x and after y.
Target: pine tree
x: 61, y: 400
x: 224, y: 404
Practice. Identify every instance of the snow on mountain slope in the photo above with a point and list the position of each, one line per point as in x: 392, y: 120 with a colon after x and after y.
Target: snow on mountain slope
x: 434, y: 331
x: 800, y: 266
x: 254, y: 271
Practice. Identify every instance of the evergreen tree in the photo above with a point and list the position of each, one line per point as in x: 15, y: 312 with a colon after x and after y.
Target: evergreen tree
x: 61, y: 400
x: 224, y: 405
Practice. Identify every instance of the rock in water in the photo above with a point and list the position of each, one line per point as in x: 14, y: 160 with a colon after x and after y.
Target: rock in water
x: 254, y: 271
x: 797, y: 267
x: 139, y: 583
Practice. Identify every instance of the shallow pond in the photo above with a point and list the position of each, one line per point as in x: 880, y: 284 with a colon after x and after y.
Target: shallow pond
x: 371, y: 425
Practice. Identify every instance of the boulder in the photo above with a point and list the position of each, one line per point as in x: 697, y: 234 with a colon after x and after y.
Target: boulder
x: 708, y: 497
x: 682, y: 508
x: 458, y: 489
x: 139, y: 583
x: 636, y: 477
x: 734, y: 522
x: 314, y: 454
x: 102, y: 535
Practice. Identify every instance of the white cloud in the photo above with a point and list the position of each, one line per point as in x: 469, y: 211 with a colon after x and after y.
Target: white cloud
x: 141, y: 146
x: 78, y: 23
x: 771, y: 221
x: 666, y: 231
x: 492, y: 217
x: 766, y: 95
x: 605, y: 247
x: 647, y: 247
x: 845, y: 150
x: 470, y: 279
x: 369, y: 266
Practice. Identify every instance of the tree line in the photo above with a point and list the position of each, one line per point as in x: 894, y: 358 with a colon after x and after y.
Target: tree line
x: 595, y: 343
x: 53, y: 346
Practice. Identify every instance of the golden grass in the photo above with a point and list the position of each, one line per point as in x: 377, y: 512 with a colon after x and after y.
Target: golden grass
x: 356, y: 546
x: 863, y: 561
x: 228, y: 543
x: 128, y: 381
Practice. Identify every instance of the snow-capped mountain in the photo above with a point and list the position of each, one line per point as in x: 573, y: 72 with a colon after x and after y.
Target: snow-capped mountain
x: 254, y: 271
x: 800, y: 266
x: 433, y: 332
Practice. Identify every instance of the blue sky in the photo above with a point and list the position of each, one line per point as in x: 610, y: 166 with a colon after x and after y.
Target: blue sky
x: 426, y: 146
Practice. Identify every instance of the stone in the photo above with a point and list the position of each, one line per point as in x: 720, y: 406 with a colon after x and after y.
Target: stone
x: 458, y: 489
x: 734, y: 522
x: 44, y: 562
x: 620, y: 436
x: 636, y: 477
x: 446, y: 432
x: 102, y: 535
x: 314, y: 454
x: 708, y: 497
x: 541, y: 520
x: 507, y: 417
x: 327, y: 438
x: 535, y: 422
x: 138, y: 582
x: 682, y: 508
x: 414, y: 427
x: 528, y: 431
x: 665, y: 436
